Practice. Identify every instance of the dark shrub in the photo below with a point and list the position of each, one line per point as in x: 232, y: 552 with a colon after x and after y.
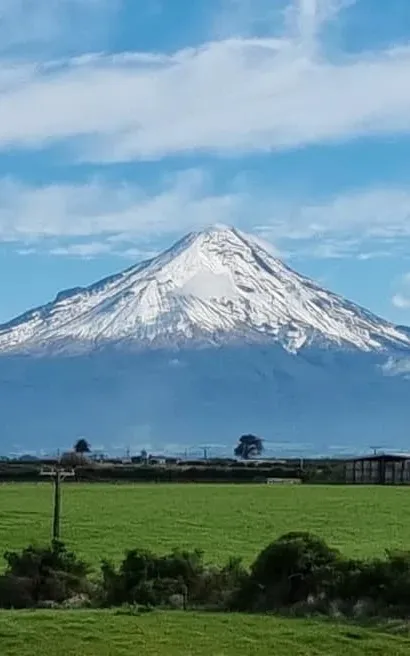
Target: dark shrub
x: 54, y: 573
x: 396, y: 589
x: 385, y: 581
x: 164, y: 589
x: 119, y: 587
x: 291, y: 569
x: 217, y: 588
x: 37, y: 561
x: 146, y: 579
x: 16, y: 592
x: 185, y: 566
x: 138, y: 565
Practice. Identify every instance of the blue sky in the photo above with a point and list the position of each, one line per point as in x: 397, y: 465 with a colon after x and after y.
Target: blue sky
x: 127, y: 123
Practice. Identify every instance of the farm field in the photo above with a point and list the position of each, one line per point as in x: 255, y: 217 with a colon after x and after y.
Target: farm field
x: 104, y: 520
x: 174, y: 634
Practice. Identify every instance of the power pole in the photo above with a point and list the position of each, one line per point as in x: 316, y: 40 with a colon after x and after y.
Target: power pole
x: 57, y: 506
x: 205, y: 450
x: 57, y: 475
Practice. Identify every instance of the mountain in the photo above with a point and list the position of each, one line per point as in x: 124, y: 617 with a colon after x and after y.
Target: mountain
x: 212, y: 338
x: 212, y: 287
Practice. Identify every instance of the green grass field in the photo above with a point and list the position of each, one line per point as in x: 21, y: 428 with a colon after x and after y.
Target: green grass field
x: 185, y: 634
x: 104, y: 520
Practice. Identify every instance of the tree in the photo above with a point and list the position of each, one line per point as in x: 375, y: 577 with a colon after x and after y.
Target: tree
x: 82, y: 446
x: 248, y: 447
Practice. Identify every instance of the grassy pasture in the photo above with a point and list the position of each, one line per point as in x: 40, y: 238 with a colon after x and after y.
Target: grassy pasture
x: 187, y: 634
x: 104, y: 520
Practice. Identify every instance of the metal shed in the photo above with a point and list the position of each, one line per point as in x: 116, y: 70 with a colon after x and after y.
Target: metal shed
x: 380, y: 469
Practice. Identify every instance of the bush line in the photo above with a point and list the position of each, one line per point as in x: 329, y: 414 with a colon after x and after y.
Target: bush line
x: 250, y: 472
x: 297, y: 574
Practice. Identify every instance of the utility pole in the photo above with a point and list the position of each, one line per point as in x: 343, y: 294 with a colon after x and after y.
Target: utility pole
x: 205, y: 450
x: 56, y: 474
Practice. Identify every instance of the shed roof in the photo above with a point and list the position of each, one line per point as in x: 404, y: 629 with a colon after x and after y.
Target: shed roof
x: 383, y: 457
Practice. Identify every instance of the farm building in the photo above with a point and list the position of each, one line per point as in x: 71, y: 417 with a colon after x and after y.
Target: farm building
x: 381, y: 469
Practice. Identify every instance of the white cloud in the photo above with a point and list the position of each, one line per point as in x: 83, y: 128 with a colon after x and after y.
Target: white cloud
x: 90, y: 219
x: 401, y: 299
x: 87, y: 250
x: 377, y: 254
x: 91, y: 249
x: 328, y: 248
x: 228, y: 96
x: 115, y: 213
x: 397, y: 367
x: 373, y: 213
x: 301, y: 20
x: 310, y: 16
x: 267, y: 245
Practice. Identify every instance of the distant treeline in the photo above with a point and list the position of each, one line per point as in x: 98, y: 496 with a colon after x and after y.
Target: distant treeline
x: 193, y: 474
x: 198, y: 472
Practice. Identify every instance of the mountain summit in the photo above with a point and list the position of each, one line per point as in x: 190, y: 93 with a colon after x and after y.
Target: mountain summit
x: 212, y: 287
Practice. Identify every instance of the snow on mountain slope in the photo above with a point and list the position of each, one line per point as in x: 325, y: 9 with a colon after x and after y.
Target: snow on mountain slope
x: 213, y: 286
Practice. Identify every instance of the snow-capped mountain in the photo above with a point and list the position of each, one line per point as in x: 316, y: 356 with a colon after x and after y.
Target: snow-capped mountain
x: 211, y: 339
x: 214, y: 286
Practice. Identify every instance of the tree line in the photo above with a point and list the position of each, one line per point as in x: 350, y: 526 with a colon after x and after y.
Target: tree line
x: 248, y: 446
x: 252, y: 473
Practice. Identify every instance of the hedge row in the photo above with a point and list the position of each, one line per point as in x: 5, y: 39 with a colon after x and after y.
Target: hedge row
x: 297, y: 573
x: 184, y: 475
x: 156, y: 474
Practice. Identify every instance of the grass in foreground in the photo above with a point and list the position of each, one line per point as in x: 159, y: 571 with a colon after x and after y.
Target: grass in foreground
x: 101, y: 633
x: 105, y: 520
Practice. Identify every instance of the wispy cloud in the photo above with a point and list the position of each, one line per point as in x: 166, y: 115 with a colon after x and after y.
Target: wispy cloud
x: 401, y: 299
x: 310, y: 16
x: 300, y: 21
x: 91, y: 249
x: 94, y: 218
x: 116, y: 214
x: 228, y: 96
x: 85, y: 251
x: 47, y: 26
x: 374, y: 213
